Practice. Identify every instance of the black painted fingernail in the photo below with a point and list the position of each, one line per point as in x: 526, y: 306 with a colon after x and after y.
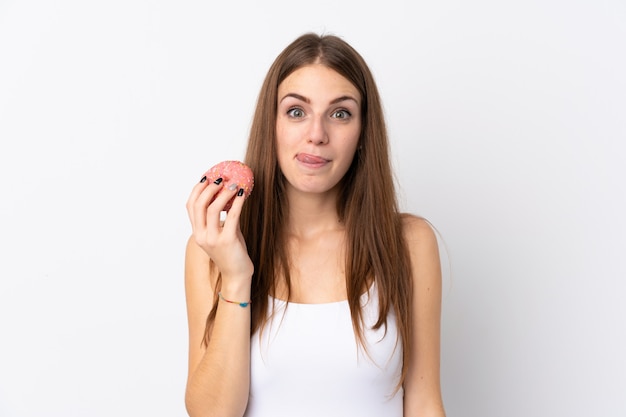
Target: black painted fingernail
x: 203, y: 179
x: 218, y: 181
x: 240, y: 192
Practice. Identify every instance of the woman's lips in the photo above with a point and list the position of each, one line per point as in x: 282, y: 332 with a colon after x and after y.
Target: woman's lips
x: 311, y: 160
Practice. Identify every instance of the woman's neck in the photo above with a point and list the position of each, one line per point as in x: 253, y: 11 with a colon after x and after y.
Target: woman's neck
x: 311, y: 214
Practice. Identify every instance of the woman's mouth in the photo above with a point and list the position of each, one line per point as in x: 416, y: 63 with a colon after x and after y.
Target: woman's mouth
x: 311, y: 160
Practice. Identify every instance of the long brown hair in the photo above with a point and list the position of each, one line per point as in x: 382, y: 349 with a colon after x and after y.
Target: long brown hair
x: 367, y: 205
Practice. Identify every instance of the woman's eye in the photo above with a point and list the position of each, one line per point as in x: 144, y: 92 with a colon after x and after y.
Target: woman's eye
x: 295, y: 112
x: 341, y: 114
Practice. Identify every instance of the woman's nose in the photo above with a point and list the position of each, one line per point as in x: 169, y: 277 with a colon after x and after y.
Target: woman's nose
x: 317, y: 132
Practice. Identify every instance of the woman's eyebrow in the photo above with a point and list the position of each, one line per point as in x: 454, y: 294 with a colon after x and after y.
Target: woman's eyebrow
x: 308, y: 101
x: 344, y: 98
x: 297, y: 97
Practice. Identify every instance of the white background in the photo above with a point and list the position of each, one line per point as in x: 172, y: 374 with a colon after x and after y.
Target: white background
x: 508, y: 127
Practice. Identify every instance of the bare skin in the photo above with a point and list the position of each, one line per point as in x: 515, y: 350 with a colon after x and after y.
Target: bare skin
x: 219, y: 374
x: 422, y: 387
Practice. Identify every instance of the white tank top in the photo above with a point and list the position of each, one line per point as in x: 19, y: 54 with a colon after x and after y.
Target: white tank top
x: 307, y: 362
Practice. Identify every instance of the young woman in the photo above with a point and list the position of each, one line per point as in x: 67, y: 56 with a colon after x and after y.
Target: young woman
x: 316, y: 297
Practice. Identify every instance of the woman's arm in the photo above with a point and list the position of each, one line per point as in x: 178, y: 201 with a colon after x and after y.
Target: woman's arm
x: 219, y: 374
x: 422, y: 389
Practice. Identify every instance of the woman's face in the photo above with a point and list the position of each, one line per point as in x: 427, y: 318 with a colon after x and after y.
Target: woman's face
x: 317, y: 128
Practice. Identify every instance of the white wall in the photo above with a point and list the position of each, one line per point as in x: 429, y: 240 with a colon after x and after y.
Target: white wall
x: 508, y: 127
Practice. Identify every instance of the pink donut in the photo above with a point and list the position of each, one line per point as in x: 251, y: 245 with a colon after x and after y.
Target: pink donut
x: 233, y: 171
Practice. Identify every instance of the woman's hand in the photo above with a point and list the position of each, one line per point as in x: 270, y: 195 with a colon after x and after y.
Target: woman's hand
x: 221, y: 240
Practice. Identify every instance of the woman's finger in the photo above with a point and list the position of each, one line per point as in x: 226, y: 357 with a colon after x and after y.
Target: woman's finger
x: 231, y: 222
x: 200, y: 198
x: 219, y: 203
x: 195, y: 192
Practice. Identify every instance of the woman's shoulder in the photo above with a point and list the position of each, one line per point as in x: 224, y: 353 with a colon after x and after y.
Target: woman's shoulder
x: 417, y: 229
x: 423, y: 247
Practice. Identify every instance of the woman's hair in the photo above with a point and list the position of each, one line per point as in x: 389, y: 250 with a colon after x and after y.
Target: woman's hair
x: 367, y: 205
